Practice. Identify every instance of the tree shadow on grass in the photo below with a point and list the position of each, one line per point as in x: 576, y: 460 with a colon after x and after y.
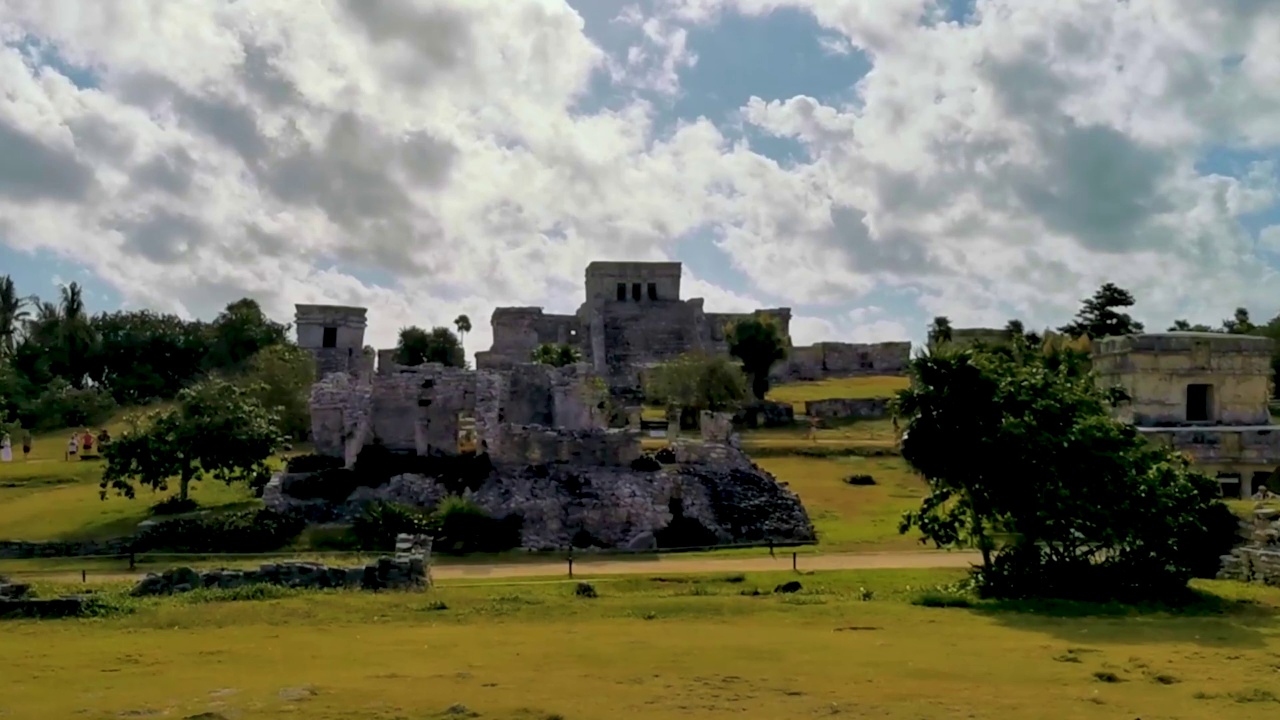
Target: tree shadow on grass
x: 1199, y: 618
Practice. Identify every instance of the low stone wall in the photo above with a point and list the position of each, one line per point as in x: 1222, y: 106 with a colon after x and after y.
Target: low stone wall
x: 16, y: 601
x: 20, y: 550
x: 536, y: 444
x: 409, y: 569
x: 1258, y: 560
x: 766, y: 414
x: 848, y: 408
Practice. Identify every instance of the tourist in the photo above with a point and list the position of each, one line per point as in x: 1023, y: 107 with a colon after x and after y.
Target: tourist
x: 6, y: 450
x: 813, y: 428
x: 73, y: 447
x: 26, y: 444
x: 104, y: 437
x: 1263, y: 494
x: 86, y: 442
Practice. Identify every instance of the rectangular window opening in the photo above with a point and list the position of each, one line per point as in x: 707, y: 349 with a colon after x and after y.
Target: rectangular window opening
x: 330, y: 339
x: 1199, y: 402
x: 622, y: 292
x: 635, y: 292
x: 653, y: 291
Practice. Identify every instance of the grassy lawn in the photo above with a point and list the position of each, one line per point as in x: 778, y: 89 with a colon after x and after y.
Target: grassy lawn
x: 856, y: 387
x: 852, y: 517
x: 848, y: 645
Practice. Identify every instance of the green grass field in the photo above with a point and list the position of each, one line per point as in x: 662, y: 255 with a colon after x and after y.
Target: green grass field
x: 857, y: 387
x: 848, y: 645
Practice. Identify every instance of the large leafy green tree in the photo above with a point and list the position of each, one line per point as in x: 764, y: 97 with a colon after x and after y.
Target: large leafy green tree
x: 279, y: 378
x: 144, y: 355
x: 759, y: 343
x: 238, y: 333
x: 1102, y: 315
x: 216, y: 430
x: 695, y: 382
x: 556, y: 355
x: 1024, y: 462
x: 939, y: 330
x: 416, y: 346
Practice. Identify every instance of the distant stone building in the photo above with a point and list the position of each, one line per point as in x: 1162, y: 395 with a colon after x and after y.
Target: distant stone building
x: 334, y: 335
x: 1205, y: 394
x: 634, y: 317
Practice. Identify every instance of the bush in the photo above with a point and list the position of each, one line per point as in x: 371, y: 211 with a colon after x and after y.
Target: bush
x: 860, y: 480
x: 63, y: 406
x: 464, y: 527
x: 174, y: 505
x: 666, y: 456
x: 377, y: 527
x: 312, y: 463
x: 251, y: 531
x: 585, y: 590
x: 646, y: 463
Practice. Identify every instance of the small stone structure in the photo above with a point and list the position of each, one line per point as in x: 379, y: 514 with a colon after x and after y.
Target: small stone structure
x: 1258, y: 560
x: 834, y: 359
x: 408, y: 569
x: 634, y: 318
x: 17, y: 601
x: 334, y: 334
x: 848, y: 408
x: 1204, y: 394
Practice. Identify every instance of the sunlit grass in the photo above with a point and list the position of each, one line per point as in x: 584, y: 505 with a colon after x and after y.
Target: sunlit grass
x: 846, y: 645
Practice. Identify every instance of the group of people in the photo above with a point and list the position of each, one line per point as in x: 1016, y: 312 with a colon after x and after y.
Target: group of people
x: 78, y: 444
x: 6, y: 446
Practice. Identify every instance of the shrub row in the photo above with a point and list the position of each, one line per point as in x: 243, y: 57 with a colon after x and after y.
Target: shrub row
x: 458, y: 526
x: 250, y: 531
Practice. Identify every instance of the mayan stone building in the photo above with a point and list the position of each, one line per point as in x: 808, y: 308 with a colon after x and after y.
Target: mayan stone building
x: 1205, y: 394
x: 633, y: 317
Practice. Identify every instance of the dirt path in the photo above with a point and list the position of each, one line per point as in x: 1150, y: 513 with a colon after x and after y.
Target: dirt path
x: 661, y: 565
x: 676, y: 565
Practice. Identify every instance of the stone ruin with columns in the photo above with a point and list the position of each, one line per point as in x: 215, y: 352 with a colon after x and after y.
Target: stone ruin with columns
x: 550, y: 458
x: 633, y: 317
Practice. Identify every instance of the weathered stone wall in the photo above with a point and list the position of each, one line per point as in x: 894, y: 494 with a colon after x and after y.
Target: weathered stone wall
x: 538, y: 444
x: 832, y: 359
x: 717, y: 325
x: 340, y: 415
x: 1258, y: 560
x: 1157, y: 369
x: 20, y: 550
x: 848, y: 408
x: 637, y: 334
x: 408, y: 569
x: 602, y: 281
x: 349, y: 323
x: 517, y: 331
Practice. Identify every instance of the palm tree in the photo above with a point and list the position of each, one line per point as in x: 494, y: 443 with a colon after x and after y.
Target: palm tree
x: 463, y: 324
x: 13, y: 314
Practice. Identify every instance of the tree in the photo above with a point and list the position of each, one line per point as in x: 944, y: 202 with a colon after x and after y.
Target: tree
x: 1066, y: 502
x: 463, y: 324
x: 417, y: 346
x: 279, y: 378
x: 758, y: 343
x: 1239, y: 323
x: 238, y: 333
x: 216, y: 430
x: 1184, y: 326
x: 144, y: 356
x: 13, y: 314
x: 1100, y: 315
x: 939, y: 330
x: 555, y: 355
x: 696, y: 381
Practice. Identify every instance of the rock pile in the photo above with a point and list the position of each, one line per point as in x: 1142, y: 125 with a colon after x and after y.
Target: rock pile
x: 409, y: 569
x: 1258, y: 560
x: 17, y: 600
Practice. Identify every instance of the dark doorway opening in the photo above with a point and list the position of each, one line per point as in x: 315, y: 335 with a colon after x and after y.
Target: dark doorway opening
x: 622, y: 292
x: 635, y: 292
x: 330, y: 338
x: 653, y: 291
x: 1199, y: 402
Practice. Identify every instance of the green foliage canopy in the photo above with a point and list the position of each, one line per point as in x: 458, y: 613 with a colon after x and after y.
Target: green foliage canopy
x: 555, y: 355
x: 696, y: 381
x: 759, y: 343
x: 216, y: 430
x: 1024, y: 462
x: 417, y: 346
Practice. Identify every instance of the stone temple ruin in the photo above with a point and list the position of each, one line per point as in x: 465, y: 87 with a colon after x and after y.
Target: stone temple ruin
x: 552, y: 461
x: 633, y: 317
x: 1204, y: 394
